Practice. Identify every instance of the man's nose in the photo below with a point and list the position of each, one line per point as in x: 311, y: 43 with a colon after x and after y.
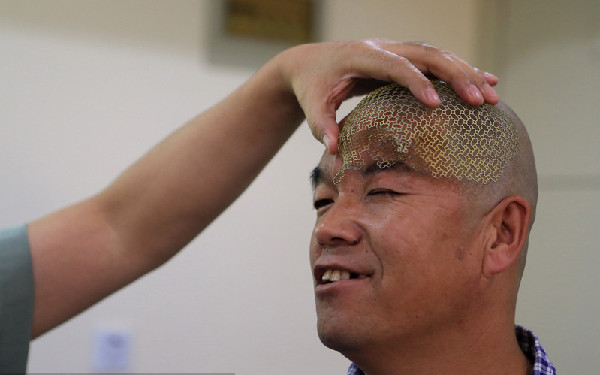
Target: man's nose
x: 339, y: 226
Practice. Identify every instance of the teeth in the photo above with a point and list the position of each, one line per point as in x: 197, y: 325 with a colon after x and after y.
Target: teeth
x: 335, y: 275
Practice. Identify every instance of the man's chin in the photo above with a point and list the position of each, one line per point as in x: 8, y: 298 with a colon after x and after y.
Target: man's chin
x: 339, y: 338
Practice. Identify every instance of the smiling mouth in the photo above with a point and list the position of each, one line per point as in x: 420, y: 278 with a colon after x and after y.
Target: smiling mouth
x: 333, y: 275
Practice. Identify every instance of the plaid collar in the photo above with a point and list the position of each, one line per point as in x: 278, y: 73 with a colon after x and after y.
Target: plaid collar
x: 530, y: 345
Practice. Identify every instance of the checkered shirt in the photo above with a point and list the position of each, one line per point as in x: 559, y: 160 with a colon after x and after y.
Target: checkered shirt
x: 530, y: 345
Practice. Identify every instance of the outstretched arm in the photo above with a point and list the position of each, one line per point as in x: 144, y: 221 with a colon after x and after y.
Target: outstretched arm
x: 86, y: 251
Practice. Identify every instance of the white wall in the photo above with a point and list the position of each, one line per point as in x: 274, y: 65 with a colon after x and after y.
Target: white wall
x: 451, y: 25
x: 87, y: 87
x: 549, y: 61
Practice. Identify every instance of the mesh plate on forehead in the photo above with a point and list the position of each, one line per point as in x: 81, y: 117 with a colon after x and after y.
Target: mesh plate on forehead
x: 454, y: 140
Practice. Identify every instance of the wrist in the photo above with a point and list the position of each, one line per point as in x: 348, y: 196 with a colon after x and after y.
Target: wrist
x: 277, y: 77
x: 268, y: 95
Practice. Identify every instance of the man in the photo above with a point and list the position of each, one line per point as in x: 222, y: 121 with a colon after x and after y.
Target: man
x: 59, y: 265
x: 421, y: 236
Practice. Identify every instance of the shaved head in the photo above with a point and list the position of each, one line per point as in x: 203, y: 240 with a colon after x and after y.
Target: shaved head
x: 486, y: 149
x: 520, y: 178
x: 521, y: 175
x: 485, y: 146
x: 454, y: 140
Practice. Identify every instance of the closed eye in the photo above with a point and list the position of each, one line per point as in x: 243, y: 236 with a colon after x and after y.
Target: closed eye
x: 384, y: 192
x: 319, y: 203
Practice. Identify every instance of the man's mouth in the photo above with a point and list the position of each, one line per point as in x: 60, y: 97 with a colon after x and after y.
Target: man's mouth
x: 334, y: 275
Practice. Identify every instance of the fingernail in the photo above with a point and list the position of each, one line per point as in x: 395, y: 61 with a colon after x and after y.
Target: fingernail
x: 490, y: 75
x: 490, y: 93
x: 432, y: 95
x: 475, y: 93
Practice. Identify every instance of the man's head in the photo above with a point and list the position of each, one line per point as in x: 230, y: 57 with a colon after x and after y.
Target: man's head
x: 426, y: 213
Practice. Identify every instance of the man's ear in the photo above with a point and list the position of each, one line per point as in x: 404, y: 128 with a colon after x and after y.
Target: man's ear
x: 508, y: 227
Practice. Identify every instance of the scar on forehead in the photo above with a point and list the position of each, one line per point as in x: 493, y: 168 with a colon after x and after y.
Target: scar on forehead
x: 454, y: 140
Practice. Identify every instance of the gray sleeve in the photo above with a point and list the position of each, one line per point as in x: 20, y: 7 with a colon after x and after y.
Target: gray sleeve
x: 16, y: 299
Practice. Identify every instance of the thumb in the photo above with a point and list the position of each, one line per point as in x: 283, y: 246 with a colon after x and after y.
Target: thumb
x: 325, y: 129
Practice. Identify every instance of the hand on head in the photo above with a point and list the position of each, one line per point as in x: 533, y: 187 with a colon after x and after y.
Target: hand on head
x: 323, y: 75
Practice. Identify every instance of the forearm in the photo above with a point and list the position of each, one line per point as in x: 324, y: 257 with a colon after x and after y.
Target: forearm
x: 87, y: 251
x: 180, y: 186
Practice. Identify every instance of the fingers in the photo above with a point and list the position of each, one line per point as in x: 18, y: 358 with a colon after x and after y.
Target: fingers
x: 325, y: 129
x: 482, y: 80
x: 472, y: 84
x: 324, y: 75
x: 372, y: 61
x: 407, y: 75
x: 490, y: 78
x: 321, y: 105
x: 330, y: 139
x: 321, y: 120
x: 468, y: 80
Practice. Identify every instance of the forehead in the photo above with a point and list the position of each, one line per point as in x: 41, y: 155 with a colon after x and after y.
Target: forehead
x: 330, y: 165
x: 454, y: 140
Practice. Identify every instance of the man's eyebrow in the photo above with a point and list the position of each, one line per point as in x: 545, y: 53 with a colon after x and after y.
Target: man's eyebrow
x: 316, y: 176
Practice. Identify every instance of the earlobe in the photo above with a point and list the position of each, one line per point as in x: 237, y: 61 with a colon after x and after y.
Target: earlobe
x: 508, y: 225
